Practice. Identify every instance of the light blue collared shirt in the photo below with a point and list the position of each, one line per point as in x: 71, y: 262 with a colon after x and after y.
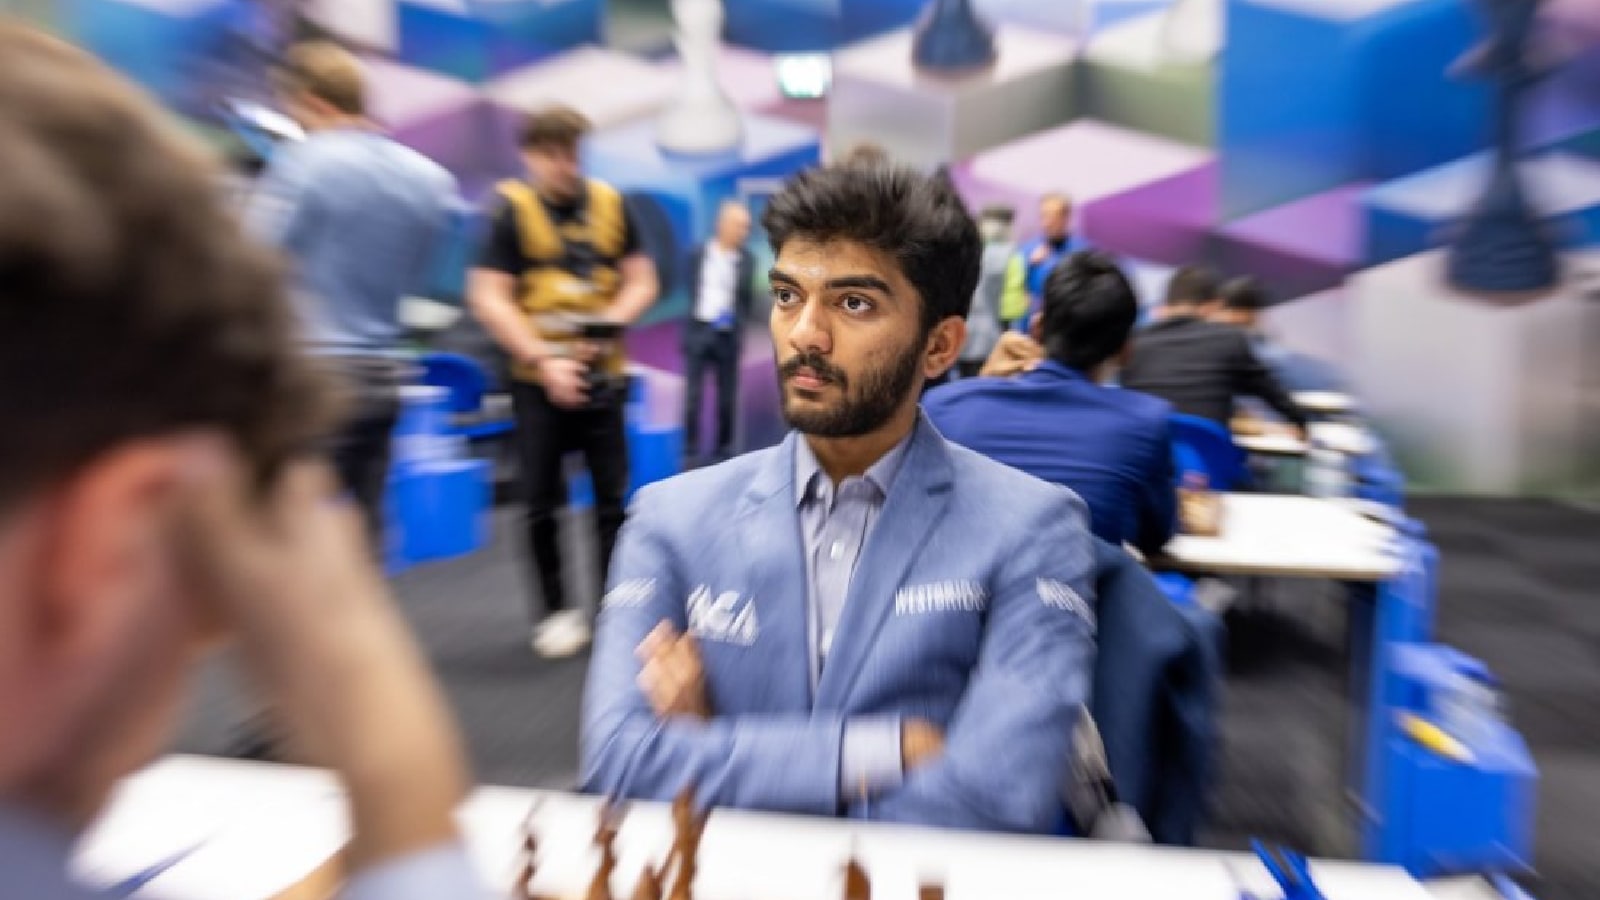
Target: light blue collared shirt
x: 36, y: 857
x: 362, y: 218
x: 835, y: 522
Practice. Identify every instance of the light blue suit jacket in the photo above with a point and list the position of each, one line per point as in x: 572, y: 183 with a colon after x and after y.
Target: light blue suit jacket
x: 971, y: 607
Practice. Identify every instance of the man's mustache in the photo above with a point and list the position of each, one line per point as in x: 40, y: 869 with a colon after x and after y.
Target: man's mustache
x: 817, y: 364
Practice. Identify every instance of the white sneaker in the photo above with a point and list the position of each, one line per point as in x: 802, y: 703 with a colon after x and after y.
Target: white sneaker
x: 561, y: 634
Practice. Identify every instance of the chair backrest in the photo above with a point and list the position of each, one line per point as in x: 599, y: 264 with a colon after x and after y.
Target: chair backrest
x: 1205, y: 447
x: 458, y: 374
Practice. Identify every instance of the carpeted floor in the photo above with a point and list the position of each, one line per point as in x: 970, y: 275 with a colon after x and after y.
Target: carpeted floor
x: 1520, y: 587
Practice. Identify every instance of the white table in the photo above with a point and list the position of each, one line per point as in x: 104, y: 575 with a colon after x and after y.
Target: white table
x: 1341, y: 437
x: 265, y: 826
x: 1327, y: 403
x: 1289, y: 536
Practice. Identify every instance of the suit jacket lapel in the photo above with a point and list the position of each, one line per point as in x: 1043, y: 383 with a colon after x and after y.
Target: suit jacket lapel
x: 769, y: 536
x: 917, y: 499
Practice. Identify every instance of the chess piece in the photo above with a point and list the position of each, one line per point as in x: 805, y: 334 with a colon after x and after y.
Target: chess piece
x: 951, y: 38
x: 605, y: 837
x: 688, y: 827
x: 649, y: 886
x: 1500, y: 246
x: 702, y: 120
x: 930, y: 892
x: 1191, y: 31
x: 856, y: 885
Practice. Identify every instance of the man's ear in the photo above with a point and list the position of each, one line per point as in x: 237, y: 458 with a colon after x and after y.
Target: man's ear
x: 106, y: 546
x: 944, y: 346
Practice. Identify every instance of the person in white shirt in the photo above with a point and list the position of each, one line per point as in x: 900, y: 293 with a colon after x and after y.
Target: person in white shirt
x: 721, y: 292
x: 155, y: 498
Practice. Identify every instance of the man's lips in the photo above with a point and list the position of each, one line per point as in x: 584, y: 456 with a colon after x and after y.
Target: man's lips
x: 808, y: 380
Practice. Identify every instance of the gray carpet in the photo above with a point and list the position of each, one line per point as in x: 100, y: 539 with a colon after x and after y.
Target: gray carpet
x: 1518, y: 588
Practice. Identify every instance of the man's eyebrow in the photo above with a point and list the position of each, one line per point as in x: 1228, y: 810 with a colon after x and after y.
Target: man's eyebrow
x: 843, y: 282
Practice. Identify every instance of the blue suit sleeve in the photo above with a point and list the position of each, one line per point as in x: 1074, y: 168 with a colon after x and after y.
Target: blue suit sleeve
x: 1008, y: 748
x: 783, y: 762
x: 1158, y: 497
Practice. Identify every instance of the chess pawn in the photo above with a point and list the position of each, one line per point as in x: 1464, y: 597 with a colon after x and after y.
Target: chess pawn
x: 702, y: 120
x: 930, y: 892
x: 856, y: 885
x: 649, y: 886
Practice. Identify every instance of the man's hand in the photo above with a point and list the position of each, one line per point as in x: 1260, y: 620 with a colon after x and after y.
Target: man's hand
x: 290, y: 574
x: 1014, y: 354
x: 564, y: 381
x: 920, y: 743
x: 1039, y: 255
x: 673, y: 676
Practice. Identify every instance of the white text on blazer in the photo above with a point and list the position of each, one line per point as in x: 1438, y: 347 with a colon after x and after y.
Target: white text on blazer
x: 941, y: 596
x: 720, y: 619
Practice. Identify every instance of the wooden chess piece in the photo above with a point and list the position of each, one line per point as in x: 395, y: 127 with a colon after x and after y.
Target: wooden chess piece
x: 856, y: 885
x: 605, y: 838
x: 649, y: 886
x: 687, y: 830
x: 930, y: 892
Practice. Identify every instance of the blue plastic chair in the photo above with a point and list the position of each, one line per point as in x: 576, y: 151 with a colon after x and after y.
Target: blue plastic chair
x: 1203, y: 447
x: 467, y: 382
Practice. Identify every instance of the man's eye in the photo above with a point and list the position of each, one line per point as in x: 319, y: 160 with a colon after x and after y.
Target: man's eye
x: 783, y: 296
x: 855, y: 303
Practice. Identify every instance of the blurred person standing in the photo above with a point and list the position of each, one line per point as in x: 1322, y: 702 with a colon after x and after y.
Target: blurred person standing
x: 152, y: 504
x: 562, y: 248
x: 983, y: 320
x: 360, y: 216
x: 722, y: 296
x: 1035, y: 260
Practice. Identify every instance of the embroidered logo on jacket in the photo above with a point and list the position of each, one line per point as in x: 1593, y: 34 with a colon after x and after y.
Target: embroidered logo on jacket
x: 941, y: 596
x: 1060, y: 595
x: 721, y: 618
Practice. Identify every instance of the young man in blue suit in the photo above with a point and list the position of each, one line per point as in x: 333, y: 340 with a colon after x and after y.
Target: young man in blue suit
x: 865, y: 620
x: 1058, y: 421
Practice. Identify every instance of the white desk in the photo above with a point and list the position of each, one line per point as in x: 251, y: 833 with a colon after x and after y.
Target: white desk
x: 268, y: 825
x: 1289, y: 536
x: 1327, y: 403
x: 1341, y: 437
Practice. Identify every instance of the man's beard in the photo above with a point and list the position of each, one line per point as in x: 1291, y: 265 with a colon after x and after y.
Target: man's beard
x: 882, y: 391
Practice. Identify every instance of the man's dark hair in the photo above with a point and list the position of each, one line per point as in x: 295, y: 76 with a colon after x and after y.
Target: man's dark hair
x: 1246, y: 293
x: 555, y: 127
x: 1192, y: 284
x: 132, y: 304
x: 1089, y: 310
x: 918, y: 220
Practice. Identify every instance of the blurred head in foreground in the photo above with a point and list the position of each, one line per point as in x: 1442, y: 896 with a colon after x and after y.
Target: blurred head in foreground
x: 143, y: 340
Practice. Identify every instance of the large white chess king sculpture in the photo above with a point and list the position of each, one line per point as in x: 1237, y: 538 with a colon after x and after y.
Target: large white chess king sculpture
x: 702, y: 120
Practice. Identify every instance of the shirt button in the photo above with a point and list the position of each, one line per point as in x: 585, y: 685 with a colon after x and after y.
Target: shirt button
x: 836, y: 550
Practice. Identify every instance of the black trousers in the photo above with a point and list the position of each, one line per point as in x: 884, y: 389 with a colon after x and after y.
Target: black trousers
x: 703, y: 346
x: 360, y: 449
x: 545, y: 434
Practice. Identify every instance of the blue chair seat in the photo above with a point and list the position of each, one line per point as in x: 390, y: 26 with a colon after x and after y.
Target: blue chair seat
x: 1203, y: 447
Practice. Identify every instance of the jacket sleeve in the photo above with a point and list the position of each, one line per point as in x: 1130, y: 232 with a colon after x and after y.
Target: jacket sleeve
x: 1007, y: 751
x: 783, y: 763
x: 1158, y: 495
x: 1254, y: 379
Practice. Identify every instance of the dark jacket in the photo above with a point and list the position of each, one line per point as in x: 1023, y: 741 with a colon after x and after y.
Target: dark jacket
x: 1112, y: 447
x: 1156, y: 686
x: 744, y: 291
x: 1200, y: 367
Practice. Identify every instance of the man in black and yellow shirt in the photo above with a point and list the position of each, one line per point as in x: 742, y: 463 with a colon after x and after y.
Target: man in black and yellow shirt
x: 561, y: 249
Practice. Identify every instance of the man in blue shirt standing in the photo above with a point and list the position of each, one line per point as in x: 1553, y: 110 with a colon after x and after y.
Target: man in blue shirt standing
x: 1058, y: 422
x: 1036, y: 259
x: 360, y: 218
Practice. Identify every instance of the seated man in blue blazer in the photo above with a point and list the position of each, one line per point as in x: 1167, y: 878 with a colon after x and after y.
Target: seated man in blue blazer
x: 1059, y: 423
x: 864, y: 620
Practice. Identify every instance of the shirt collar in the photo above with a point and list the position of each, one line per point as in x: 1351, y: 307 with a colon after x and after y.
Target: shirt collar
x: 1058, y: 369
x: 809, y: 478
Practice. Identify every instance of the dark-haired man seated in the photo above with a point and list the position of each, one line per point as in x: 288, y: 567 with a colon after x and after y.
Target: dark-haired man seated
x: 1057, y: 421
x: 866, y: 619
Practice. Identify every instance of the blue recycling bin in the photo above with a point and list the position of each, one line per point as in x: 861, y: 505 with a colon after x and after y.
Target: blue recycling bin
x: 440, y: 509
